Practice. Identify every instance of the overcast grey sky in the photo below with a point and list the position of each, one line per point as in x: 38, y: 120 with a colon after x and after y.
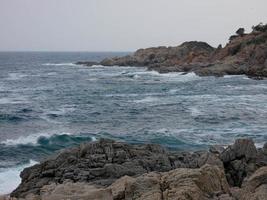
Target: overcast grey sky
x: 121, y: 25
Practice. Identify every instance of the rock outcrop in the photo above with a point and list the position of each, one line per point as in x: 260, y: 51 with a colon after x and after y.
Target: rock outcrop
x: 255, y: 187
x: 239, y: 161
x: 103, y: 162
x: 244, y: 54
x: 107, y: 169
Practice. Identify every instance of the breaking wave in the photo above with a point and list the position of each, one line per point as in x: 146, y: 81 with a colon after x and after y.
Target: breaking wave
x: 59, y: 64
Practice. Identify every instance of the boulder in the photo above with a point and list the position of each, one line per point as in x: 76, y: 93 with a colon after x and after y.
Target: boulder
x: 255, y: 187
x: 239, y: 160
x: 208, y: 182
x: 242, y: 148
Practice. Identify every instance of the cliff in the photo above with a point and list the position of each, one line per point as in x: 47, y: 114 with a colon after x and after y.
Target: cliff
x: 107, y: 169
x: 245, y: 54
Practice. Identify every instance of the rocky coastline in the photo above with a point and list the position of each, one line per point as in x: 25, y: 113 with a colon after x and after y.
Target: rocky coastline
x: 244, y: 54
x: 110, y: 170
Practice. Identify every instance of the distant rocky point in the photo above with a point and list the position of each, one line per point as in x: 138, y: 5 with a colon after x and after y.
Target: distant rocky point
x: 245, y: 54
x: 109, y: 170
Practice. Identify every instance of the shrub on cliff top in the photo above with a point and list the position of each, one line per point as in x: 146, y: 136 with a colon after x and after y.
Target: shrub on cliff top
x: 260, y: 27
x: 240, y: 31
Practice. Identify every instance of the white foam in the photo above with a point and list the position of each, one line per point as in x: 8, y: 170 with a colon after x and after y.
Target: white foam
x: 15, y: 76
x: 173, y: 91
x: 171, y: 76
x: 51, y: 74
x: 63, y: 110
x: 59, y: 64
x: 136, y: 76
x: 13, y: 100
x: 260, y: 86
x: 233, y: 76
x: 195, y: 112
x: 148, y: 99
x: 259, y: 144
x: 30, y: 139
x: 10, y: 179
x: 93, y: 138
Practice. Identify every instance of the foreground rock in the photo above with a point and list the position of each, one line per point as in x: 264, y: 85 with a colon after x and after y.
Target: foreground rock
x: 255, y: 187
x: 205, y: 183
x: 103, y: 162
x: 112, y: 170
x: 244, y: 54
x: 239, y: 161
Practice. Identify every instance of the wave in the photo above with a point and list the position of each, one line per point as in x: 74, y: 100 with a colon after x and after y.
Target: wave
x: 9, y: 177
x: 11, y: 118
x: 195, y: 111
x: 59, y: 64
x: 30, y: 139
x: 148, y: 99
x: 172, y: 76
x: 15, y: 76
x: 15, y: 153
x: 38, y: 146
x: 233, y: 76
x: 14, y: 100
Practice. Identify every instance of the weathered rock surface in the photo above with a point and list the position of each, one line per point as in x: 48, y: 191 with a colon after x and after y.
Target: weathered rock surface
x: 103, y: 162
x: 239, y: 161
x: 255, y: 187
x: 204, y: 183
x: 244, y: 54
x: 112, y: 170
x: 207, y: 182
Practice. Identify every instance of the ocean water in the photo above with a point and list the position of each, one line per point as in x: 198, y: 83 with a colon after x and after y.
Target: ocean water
x: 48, y: 103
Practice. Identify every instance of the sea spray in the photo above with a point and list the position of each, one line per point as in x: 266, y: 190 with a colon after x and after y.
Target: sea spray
x: 9, y: 177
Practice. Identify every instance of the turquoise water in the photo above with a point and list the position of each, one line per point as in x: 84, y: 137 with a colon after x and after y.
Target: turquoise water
x: 48, y: 103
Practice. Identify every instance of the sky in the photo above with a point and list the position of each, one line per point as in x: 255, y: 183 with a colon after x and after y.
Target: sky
x: 122, y: 25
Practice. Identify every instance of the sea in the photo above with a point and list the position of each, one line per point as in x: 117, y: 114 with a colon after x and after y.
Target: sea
x: 48, y: 103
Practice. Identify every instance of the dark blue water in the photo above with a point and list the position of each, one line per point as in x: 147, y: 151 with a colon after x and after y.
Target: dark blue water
x: 47, y: 103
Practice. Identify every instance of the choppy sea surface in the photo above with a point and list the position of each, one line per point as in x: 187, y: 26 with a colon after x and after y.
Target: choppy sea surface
x: 48, y: 103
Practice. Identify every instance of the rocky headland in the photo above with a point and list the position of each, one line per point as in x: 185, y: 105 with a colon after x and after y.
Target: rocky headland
x: 110, y: 170
x: 245, y: 54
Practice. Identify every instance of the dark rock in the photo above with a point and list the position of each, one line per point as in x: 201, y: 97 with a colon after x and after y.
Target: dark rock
x: 211, y: 159
x: 102, y: 163
x: 239, y: 161
x: 216, y: 149
x: 242, y: 148
x: 87, y: 63
x: 255, y: 186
